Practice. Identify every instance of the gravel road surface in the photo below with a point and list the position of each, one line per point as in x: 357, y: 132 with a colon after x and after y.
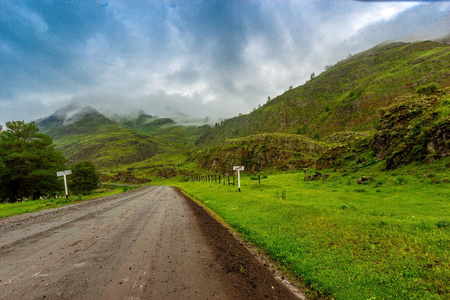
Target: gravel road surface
x: 148, y: 243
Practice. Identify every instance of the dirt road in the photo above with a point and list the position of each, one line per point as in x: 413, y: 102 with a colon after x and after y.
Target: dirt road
x: 149, y: 243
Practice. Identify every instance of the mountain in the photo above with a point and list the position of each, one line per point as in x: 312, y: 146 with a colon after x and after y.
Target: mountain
x: 347, y: 96
x: 165, y: 130
x: 82, y: 133
x: 389, y: 103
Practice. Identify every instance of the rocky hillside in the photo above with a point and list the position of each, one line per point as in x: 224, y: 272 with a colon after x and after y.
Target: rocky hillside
x: 413, y: 129
x: 258, y: 152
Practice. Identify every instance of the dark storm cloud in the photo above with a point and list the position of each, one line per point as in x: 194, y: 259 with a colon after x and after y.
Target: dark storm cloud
x: 205, y: 58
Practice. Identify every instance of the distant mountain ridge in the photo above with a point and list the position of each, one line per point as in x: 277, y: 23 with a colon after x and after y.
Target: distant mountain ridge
x: 85, y: 134
x: 345, y: 103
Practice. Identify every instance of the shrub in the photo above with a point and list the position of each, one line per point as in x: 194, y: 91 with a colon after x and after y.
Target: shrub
x: 442, y: 224
x: 84, y: 178
x: 427, y: 88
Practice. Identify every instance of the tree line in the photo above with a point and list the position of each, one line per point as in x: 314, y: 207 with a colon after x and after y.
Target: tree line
x: 29, y: 162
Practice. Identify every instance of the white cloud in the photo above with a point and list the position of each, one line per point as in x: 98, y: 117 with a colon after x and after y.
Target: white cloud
x: 197, y: 57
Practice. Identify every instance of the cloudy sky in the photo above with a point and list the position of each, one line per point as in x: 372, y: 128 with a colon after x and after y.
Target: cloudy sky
x: 201, y: 58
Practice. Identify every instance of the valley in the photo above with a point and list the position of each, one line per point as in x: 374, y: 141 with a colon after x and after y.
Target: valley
x: 372, y: 136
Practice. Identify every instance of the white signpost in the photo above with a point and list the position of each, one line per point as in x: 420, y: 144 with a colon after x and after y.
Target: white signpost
x: 238, y: 169
x: 64, y: 173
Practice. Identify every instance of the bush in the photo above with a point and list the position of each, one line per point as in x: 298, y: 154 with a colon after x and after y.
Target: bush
x: 84, y: 178
x: 442, y: 224
x: 427, y: 88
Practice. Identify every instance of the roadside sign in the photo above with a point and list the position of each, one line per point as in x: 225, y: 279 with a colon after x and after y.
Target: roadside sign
x: 239, y: 169
x: 64, y: 173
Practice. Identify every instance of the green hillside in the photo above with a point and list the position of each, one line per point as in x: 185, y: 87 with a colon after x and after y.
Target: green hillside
x: 389, y: 103
x: 348, y: 96
x: 89, y: 135
x: 165, y: 130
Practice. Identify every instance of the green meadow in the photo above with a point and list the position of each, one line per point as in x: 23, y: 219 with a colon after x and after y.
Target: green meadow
x: 387, y: 238
x: 12, y: 209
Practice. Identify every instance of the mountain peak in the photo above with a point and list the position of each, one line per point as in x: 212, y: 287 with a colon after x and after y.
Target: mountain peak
x: 69, y: 115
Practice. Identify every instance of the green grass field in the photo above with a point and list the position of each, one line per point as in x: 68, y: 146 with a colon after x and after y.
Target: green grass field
x: 12, y: 209
x: 386, y: 239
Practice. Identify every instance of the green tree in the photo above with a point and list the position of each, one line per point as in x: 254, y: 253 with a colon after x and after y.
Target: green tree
x: 28, y: 163
x: 84, y: 178
x: 2, y: 167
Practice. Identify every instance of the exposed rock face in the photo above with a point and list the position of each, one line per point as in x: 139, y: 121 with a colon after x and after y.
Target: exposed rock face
x: 331, y: 157
x: 167, y: 172
x: 125, y: 177
x: 280, y: 151
x: 355, y: 149
x: 412, y: 130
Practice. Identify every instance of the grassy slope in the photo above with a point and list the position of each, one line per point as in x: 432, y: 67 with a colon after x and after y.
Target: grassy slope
x: 179, y: 137
x: 165, y: 130
x: 102, y: 141
x: 348, y: 95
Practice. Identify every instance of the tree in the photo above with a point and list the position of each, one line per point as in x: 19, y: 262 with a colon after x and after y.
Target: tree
x: 2, y: 167
x: 84, y: 178
x: 28, y: 163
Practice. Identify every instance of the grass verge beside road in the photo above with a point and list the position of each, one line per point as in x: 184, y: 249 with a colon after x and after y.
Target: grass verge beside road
x: 12, y: 209
x: 386, y: 239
